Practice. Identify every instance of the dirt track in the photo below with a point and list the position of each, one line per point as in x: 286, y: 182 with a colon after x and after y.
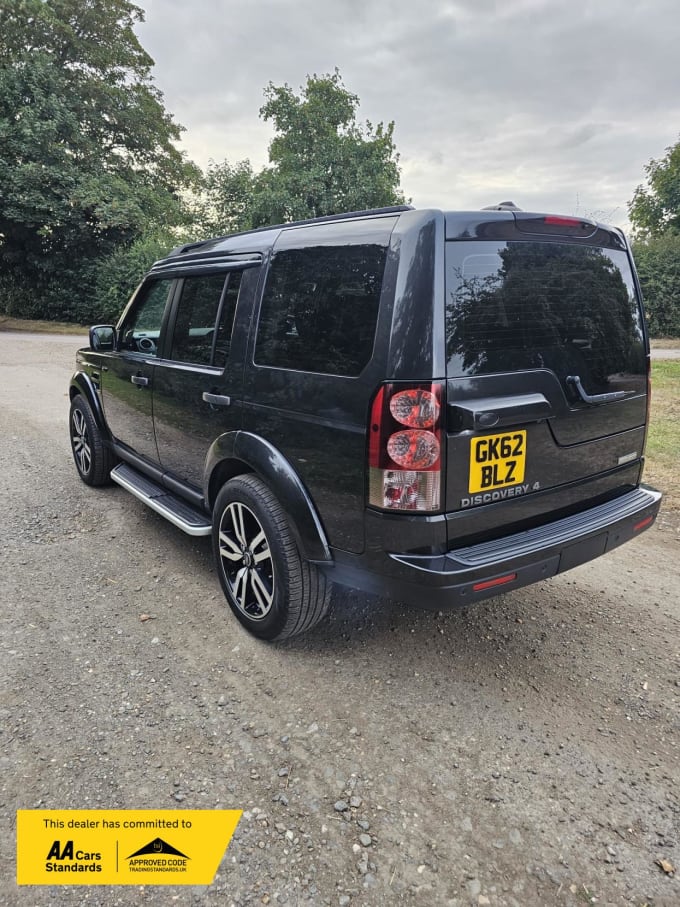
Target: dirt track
x: 523, y: 752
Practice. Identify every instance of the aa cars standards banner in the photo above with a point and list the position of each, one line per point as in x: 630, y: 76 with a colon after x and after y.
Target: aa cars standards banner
x: 121, y: 846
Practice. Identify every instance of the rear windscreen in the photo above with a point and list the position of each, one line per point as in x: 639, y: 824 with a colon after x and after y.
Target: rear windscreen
x: 525, y: 305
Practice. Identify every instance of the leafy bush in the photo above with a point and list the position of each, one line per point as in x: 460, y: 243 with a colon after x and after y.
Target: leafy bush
x: 658, y: 264
x: 46, y: 298
x: 115, y: 278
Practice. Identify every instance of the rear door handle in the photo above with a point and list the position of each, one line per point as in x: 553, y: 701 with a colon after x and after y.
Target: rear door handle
x: 216, y: 399
x: 498, y: 412
x: 139, y: 380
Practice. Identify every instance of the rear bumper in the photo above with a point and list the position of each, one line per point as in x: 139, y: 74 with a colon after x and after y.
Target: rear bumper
x: 470, y: 574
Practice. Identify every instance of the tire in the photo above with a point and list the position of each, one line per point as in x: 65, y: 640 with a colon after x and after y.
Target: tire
x: 92, y: 457
x: 271, y: 588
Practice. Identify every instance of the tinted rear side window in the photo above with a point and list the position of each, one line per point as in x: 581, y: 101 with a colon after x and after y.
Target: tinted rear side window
x: 203, y: 299
x: 320, y: 308
x: 196, y: 314
x: 524, y: 305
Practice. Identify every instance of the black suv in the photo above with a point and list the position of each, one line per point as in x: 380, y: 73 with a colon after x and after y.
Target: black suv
x: 433, y: 406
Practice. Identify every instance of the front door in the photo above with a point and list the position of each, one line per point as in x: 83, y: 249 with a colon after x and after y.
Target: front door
x: 128, y: 372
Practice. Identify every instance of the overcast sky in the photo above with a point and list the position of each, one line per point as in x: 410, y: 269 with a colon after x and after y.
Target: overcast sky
x: 556, y: 105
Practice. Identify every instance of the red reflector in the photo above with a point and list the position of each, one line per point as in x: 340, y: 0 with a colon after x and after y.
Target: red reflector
x: 643, y: 523
x: 374, y: 439
x: 490, y: 583
x: 562, y: 221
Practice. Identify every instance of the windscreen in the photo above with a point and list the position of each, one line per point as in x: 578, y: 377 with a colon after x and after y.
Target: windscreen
x: 569, y: 308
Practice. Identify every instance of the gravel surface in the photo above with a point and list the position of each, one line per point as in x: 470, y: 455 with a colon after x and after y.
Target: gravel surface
x: 521, y: 752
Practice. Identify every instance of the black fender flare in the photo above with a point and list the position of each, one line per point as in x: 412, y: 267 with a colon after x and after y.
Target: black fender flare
x: 237, y: 452
x: 81, y: 383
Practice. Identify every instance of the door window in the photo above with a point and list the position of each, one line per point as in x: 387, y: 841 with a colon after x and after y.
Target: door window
x: 226, y: 319
x: 205, y: 316
x: 141, y: 329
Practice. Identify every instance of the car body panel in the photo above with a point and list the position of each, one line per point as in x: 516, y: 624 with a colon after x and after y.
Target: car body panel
x: 302, y: 423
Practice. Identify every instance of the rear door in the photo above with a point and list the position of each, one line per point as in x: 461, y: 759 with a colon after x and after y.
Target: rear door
x: 197, y: 388
x: 546, y: 375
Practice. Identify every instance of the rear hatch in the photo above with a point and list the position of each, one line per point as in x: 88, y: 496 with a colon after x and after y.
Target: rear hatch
x: 547, y: 371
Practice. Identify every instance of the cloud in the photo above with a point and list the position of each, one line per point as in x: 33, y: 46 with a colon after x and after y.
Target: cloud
x: 554, y: 103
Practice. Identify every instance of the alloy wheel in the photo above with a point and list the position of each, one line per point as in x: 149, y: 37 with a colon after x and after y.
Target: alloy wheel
x: 246, y: 559
x: 81, y: 442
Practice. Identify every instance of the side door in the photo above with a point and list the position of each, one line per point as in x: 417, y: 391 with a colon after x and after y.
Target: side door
x: 128, y: 372
x: 197, y: 386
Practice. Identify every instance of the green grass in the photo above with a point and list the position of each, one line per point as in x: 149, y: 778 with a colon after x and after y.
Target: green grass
x: 40, y: 327
x: 663, y: 442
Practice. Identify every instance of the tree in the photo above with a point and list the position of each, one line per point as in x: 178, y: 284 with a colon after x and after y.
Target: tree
x: 655, y: 215
x: 658, y: 265
x: 87, y: 160
x: 321, y: 161
x: 655, y: 208
x: 226, y: 203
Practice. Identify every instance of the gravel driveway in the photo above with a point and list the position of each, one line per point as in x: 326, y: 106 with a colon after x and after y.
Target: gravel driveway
x: 521, y: 752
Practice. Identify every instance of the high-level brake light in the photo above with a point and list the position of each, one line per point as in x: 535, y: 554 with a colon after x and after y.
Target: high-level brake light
x: 404, y: 449
x: 559, y: 221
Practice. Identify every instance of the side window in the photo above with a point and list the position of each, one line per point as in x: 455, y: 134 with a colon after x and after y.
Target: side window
x: 226, y: 322
x: 205, y: 317
x: 320, y: 308
x: 141, y: 329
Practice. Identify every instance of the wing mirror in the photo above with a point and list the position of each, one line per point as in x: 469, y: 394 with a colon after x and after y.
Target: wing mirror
x: 103, y: 338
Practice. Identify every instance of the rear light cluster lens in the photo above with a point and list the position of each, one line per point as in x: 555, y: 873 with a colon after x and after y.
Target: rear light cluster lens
x: 414, y: 449
x: 405, y: 456
x: 417, y: 408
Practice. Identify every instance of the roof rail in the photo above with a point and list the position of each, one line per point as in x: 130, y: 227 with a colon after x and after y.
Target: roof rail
x: 369, y: 212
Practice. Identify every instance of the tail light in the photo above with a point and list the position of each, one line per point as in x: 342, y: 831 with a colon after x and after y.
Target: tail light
x: 405, y: 448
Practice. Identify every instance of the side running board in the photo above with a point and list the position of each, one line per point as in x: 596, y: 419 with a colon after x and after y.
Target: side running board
x: 174, y: 509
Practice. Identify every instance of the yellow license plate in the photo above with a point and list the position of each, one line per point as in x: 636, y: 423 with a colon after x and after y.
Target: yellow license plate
x: 497, y: 461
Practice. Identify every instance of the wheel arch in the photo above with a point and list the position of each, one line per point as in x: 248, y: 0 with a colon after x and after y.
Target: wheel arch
x: 239, y: 452
x: 82, y: 384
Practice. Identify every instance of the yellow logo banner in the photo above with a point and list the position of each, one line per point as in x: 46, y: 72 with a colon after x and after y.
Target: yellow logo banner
x: 122, y: 846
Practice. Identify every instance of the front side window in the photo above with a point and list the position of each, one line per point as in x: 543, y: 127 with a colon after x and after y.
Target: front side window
x: 569, y: 308
x: 141, y: 329
x: 320, y: 308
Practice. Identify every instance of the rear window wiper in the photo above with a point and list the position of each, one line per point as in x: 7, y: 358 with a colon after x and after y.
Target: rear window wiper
x: 595, y: 399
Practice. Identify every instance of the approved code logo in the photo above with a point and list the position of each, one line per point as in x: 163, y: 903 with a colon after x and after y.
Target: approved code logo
x: 119, y: 847
x: 158, y: 856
